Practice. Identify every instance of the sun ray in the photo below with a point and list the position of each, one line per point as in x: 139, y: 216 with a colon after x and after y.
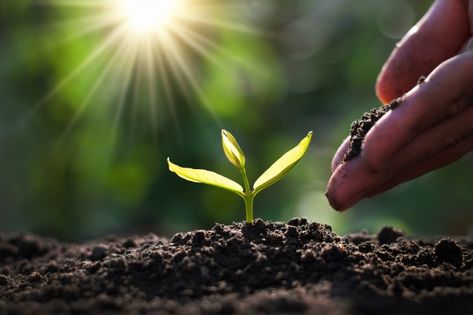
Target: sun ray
x: 72, y: 3
x: 194, y: 41
x: 150, y: 45
x: 86, y: 62
x: 151, y: 79
x: 218, y: 17
x: 176, y: 72
x: 207, y: 47
x: 128, y: 60
x: 166, y: 85
x: 86, y: 101
x: 184, y: 67
x: 216, y: 23
x: 84, y: 25
x: 95, y: 87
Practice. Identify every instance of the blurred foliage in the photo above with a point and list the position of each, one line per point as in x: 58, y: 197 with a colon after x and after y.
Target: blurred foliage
x: 77, y: 171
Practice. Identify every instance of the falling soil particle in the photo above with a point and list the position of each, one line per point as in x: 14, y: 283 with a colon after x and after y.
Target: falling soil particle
x: 263, y: 268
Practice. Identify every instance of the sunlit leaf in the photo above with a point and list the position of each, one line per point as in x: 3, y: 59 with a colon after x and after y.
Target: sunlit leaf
x: 205, y: 177
x: 283, y: 165
x: 232, y: 150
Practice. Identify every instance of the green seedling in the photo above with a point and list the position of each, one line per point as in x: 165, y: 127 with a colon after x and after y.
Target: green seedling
x: 235, y: 155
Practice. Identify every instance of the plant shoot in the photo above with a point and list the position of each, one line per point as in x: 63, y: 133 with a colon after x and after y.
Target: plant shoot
x: 235, y: 155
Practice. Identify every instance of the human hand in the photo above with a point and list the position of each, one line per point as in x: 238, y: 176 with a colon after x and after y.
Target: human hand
x: 433, y: 126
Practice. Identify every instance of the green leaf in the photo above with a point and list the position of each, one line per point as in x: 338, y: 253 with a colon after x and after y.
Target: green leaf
x: 206, y: 177
x: 232, y: 150
x: 283, y: 165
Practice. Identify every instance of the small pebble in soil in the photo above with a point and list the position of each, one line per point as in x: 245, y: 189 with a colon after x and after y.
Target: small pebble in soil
x: 129, y: 243
x: 358, y: 238
x: 177, y: 238
x: 99, y: 252
x: 198, y: 237
x: 334, y: 252
x: 292, y: 232
x: 388, y: 235
x: 297, y: 221
x: 448, y: 250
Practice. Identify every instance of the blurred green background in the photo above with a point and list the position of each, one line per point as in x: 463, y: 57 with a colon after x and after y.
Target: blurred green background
x: 86, y: 156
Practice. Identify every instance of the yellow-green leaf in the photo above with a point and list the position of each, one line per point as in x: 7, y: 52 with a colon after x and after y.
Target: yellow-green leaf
x: 205, y: 177
x: 232, y: 150
x: 283, y: 165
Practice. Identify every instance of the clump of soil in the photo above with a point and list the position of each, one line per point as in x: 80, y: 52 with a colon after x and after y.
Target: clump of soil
x: 263, y: 268
x: 359, y: 128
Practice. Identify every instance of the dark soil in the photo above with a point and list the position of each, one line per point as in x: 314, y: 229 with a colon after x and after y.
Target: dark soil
x: 359, y: 128
x: 264, y: 268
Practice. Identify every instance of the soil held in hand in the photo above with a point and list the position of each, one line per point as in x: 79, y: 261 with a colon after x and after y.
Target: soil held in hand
x: 359, y: 128
x: 264, y: 268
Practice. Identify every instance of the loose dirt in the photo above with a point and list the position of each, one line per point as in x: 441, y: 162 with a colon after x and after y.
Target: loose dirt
x: 265, y: 268
x: 359, y: 128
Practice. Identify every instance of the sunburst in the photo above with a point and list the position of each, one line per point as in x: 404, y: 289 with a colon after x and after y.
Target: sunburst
x: 147, y: 41
x: 145, y: 16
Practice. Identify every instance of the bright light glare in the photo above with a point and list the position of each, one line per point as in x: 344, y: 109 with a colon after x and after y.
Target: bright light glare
x: 145, y: 16
x: 148, y: 46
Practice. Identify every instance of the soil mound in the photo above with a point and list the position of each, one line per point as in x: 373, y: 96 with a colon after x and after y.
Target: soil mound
x: 265, y: 268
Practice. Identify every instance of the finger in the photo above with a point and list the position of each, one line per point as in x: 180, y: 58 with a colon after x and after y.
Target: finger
x: 340, y: 154
x: 447, y: 92
x: 439, y: 35
x: 352, y: 181
x: 446, y: 157
x: 343, y: 193
x: 436, y: 139
x: 349, y: 183
x: 433, y: 146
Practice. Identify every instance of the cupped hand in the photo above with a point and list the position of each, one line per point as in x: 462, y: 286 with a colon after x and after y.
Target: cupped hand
x: 433, y: 126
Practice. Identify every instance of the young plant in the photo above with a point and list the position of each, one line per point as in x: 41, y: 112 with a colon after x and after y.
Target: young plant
x: 235, y: 155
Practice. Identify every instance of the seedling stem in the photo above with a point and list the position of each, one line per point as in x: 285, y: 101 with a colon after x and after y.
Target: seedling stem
x: 249, y: 196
